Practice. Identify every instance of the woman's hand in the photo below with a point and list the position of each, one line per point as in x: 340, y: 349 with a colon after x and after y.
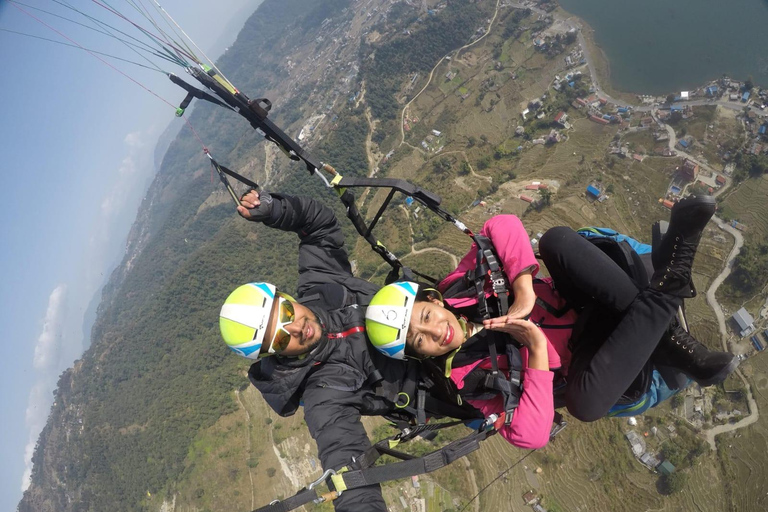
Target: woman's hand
x: 524, y: 331
x: 248, y: 201
x: 527, y: 333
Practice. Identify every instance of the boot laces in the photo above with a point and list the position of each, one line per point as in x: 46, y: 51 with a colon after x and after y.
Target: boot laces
x: 679, y: 265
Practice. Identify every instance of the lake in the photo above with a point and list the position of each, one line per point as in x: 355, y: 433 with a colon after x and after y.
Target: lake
x: 664, y: 46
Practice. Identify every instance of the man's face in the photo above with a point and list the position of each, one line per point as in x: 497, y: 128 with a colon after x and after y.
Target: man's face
x: 304, y: 330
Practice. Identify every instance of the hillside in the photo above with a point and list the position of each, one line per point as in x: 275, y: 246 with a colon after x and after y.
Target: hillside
x: 158, y: 415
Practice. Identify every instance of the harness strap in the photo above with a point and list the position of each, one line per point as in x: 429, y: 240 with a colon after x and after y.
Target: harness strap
x: 302, y: 497
x: 362, y: 474
x: 354, y: 478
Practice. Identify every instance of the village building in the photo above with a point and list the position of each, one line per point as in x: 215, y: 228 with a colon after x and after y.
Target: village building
x: 689, y: 170
x: 562, y: 119
x: 530, y: 497
x: 666, y: 468
x: 744, y: 322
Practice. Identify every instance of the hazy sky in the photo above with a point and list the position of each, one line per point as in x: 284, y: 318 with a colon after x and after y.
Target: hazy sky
x: 77, y: 141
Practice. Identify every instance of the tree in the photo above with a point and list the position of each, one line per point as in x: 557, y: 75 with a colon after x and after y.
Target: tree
x: 670, y: 98
x: 749, y: 83
x: 675, y: 482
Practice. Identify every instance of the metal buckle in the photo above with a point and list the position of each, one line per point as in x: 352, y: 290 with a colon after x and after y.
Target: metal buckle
x: 322, y: 478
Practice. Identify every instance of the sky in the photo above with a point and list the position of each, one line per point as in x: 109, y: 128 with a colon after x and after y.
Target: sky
x: 77, y: 141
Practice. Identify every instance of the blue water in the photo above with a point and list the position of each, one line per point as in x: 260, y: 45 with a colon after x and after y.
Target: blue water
x: 663, y: 46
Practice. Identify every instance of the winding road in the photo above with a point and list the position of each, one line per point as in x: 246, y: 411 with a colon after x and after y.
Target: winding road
x: 754, y: 413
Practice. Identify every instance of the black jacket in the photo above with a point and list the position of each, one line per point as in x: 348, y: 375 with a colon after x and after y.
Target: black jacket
x: 338, y: 380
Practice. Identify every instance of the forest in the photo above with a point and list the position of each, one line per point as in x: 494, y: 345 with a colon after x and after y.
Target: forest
x: 431, y: 37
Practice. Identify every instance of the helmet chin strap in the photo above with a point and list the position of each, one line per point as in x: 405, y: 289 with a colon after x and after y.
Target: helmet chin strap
x: 464, y: 327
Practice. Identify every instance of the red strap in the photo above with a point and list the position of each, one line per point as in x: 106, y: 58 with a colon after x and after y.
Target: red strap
x: 337, y: 335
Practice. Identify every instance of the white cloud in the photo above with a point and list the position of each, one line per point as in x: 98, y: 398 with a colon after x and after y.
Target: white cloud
x: 46, y: 361
x: 49, y: 343
x: 134, y: 139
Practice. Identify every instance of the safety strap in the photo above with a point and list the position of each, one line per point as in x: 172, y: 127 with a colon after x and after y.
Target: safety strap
x: 362, y: 473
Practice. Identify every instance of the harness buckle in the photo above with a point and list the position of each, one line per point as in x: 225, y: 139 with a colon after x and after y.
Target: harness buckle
x: 323, y: 478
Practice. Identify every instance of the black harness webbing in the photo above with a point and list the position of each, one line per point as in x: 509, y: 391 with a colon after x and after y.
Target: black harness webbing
x: 362, y: 473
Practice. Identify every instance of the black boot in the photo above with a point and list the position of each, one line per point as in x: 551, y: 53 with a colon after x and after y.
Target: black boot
x: 673, y: 258
x: 682, y: 351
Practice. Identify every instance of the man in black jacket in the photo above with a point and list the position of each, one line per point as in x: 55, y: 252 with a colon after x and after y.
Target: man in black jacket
x: 337, y: 377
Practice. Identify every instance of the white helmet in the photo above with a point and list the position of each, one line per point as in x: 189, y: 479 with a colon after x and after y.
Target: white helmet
x: 244, y: 318
x: 388, y: 315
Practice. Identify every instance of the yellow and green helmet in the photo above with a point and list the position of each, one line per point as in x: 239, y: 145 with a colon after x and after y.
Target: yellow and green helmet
x: 388, y: 315
x: 244, y: 318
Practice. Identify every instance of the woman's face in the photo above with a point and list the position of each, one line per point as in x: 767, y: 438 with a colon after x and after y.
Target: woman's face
x: 433, y: 330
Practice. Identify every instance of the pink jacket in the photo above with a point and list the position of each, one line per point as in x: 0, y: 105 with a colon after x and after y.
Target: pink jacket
x: 533, y: 418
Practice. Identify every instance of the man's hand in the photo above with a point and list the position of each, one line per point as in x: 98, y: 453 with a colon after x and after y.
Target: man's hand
x: 248, y: 201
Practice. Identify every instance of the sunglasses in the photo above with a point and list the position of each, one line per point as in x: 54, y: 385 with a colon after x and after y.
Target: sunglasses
x: 285, y: 316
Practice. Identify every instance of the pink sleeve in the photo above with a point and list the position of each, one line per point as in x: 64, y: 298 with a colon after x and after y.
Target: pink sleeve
x: 510, y: 239
x: 532, y: 421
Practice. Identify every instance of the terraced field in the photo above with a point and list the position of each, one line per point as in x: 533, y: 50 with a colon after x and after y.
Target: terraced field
x: 748, y: 205
x: 743, y: 453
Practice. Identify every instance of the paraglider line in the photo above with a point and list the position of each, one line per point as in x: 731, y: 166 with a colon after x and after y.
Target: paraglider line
x: 205, y: 149
x: 510, y: 468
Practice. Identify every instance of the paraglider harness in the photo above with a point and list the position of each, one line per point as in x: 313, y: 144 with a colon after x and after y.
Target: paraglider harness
x: 361, y: 472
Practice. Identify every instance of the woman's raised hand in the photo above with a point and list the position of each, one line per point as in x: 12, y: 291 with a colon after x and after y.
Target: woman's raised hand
x: 524, y: 331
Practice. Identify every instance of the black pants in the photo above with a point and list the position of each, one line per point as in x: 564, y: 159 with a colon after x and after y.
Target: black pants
x: 623, y: 328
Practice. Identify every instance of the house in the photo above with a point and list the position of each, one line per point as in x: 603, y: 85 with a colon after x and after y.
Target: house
x: 689, y: 169
x: 593, y: 191
x: 712, y: 90
x: 667, y: 204
x: 666, y: 468
x: 561, y: 118
x: 530, y: 498
x: 744, y: 322
x: 720, y: 180
x: 638, y: 157
x: 525, y: 198
x: 646, y: 121
x: 436, y: 133
x: 598, y: 120
x: 745, y: 97
x: 733, y: 97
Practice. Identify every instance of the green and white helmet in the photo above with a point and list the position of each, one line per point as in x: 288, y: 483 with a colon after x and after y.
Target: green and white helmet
x: 388, y: 315
x: 244, y: 318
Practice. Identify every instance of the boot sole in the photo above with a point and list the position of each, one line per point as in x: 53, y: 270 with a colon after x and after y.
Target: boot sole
x: 721, y: 375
